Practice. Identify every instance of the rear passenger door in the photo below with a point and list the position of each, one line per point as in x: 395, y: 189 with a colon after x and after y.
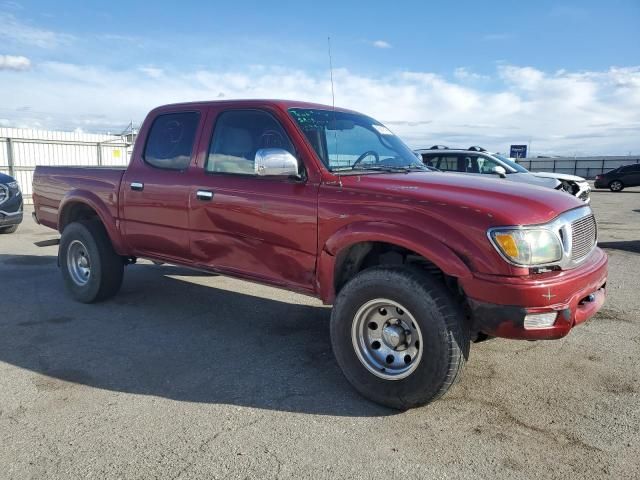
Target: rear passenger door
x: 154, y: 193
x: 252, y: 226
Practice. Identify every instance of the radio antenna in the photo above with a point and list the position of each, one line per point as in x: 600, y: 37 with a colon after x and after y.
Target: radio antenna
x: 333, y: 106
x: 333, y: 95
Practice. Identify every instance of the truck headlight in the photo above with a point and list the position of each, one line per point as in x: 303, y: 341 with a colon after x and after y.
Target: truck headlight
x: 527, y: 246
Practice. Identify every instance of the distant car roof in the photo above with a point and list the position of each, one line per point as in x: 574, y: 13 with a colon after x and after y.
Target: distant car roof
x: 455, y: 150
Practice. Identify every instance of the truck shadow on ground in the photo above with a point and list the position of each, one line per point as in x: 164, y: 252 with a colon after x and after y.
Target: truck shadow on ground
x: 632, y: 246
x: 166, y: 336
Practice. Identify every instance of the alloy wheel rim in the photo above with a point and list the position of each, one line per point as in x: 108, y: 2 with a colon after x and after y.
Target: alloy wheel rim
x: 387, y: 339
x: 78, y: 263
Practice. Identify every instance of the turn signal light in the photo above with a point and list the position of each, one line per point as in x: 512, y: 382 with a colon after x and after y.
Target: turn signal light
x: 508, y: 244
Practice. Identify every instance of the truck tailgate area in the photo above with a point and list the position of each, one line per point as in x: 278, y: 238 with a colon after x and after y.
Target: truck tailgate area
x: 52, y: 185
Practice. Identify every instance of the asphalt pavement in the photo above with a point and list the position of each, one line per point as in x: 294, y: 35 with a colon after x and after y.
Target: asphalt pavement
x: 188, y: 375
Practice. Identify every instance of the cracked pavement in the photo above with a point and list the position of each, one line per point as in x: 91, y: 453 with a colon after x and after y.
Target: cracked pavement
x: 188, y: 375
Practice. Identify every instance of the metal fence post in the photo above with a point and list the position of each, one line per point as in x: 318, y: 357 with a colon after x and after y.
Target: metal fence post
x: 99, y: 152
x: 575, y: 166
x: 12, y: 171
x: 602, y: 167
x: 554, y: 165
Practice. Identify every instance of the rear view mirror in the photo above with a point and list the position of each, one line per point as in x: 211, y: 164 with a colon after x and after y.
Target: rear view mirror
x: 340, y: 124
x: 271, y: 162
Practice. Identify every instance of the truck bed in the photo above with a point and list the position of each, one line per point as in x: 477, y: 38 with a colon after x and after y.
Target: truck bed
x: 53, y: 184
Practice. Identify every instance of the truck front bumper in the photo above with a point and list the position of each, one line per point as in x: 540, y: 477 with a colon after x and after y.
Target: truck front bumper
x: 500, y: 305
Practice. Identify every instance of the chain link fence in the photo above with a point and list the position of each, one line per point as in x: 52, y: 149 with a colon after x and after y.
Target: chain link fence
x: 586, y: 167
x: 22, y: 149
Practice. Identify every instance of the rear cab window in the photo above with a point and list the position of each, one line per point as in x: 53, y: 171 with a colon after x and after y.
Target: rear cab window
x: 170, y: 141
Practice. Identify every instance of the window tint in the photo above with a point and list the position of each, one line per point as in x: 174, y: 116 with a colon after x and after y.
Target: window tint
x: 448, y: 164
x: 483, y: 164
x: 631, y: 168
x: 170, y: 140
x: 430, y: 161
x: 238, y: 135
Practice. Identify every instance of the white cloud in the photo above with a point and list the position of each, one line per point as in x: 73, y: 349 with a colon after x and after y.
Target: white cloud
x: 17, y: 63
x: 151, y: 71
x: 464, y: 74
x: 381, y: 44
x: 13, y: 30
x: 563, y: 112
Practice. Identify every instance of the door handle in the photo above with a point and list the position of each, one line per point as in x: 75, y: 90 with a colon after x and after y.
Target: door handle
x: 137, y: 186
x: 205, y: 195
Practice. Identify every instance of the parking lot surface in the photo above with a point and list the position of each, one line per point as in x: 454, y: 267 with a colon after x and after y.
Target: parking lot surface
x: 189, y: 375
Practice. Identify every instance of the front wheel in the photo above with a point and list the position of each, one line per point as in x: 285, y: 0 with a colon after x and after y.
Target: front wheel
x: 616, y: 186
x: 91, y: 269
x: 398, y: 336
x: 11, y: 229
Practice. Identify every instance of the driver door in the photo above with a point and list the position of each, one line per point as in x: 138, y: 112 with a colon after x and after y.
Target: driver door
x: 248, y: 225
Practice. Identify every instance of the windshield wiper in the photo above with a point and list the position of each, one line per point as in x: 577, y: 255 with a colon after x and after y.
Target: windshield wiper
x: 383, y: 168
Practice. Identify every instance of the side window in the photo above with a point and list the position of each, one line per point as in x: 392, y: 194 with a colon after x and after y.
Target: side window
x: 238, y: 135
x: 485, y: 164
x: 430, y: 161
x: 170, y: 140
x: 448, y: 164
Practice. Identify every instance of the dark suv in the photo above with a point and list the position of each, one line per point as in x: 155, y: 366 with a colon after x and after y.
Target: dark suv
x: 10, y: 204
x: 616, y: 180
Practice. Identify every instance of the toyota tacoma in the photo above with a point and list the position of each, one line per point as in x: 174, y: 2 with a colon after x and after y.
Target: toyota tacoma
x: 330, y: 203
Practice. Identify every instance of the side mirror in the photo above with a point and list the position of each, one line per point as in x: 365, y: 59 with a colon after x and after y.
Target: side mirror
x: 275, y: 162
x: 498, y: 170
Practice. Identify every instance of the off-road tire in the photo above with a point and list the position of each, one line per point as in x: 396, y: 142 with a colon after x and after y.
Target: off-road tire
x: 107, y: 267
x: 441, y: 321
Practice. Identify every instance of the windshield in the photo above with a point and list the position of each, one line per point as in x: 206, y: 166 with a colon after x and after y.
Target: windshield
x: 511, y: 163
x: 349, y: 141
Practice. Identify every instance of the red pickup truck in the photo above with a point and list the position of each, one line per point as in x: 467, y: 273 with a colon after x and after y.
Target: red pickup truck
x: 328, y: 202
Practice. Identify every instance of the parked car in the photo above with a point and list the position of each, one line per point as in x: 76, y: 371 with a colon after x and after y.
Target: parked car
x: 10, y: 204
x: 328, y: 202
x: 478, y: 161
x: 618, y: 179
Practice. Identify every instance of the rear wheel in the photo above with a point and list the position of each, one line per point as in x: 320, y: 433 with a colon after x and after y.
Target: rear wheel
x: 91, y: 269
x: 398, y: 336
x: 616, y: 186
x: 10, y: 229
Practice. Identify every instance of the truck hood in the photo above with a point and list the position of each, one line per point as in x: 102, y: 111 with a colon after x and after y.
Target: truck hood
x: 445, y: 194
x: 559, y: 176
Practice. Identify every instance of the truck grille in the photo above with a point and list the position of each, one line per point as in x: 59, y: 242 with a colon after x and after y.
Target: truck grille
x: 583, y: 236
x: 4, y: 194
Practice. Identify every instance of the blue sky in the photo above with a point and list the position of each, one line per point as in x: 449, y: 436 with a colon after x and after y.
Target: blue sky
x: 564, y: 75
